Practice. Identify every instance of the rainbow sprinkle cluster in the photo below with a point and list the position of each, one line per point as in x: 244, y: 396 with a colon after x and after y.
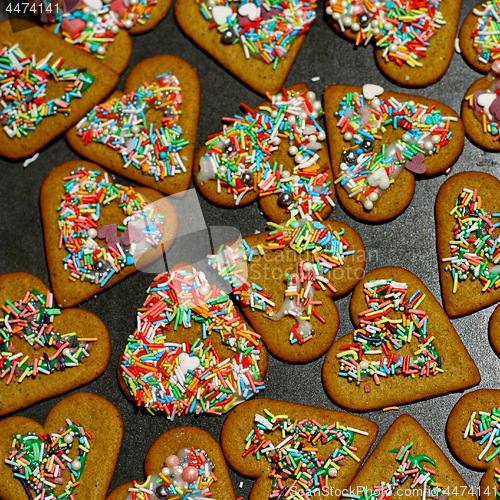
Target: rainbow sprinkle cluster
x: 23, y: 89
x: 486, y: 34
x: 240, y: 157
x: 40, y: 460
x: 265, y: 29
x: 475, y: 247
x: 122, y: 125
x: 410, y: 472
x: 93, y: 27
x: 366, y: 170
x: 31, y: 319
x: 329, y: 250
x: 402, y: 28
x: 175, y: 481
x: 87, y: 193
x: 392, y: 320
x: 297, y: 469
x: 190, y: 377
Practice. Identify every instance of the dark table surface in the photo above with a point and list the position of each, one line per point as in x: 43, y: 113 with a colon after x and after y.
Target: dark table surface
x: 408, y: 241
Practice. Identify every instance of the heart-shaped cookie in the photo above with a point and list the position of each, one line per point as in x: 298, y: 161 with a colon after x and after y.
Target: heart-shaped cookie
x: 45, y: 351
x: 82, y: 211
x: 293, y: 450
x: 285, y: 280
x: 404, y: 348
x: 192, y: 351
x: 257, y: 42
x: 171, y: 454
x: 275, y: 153
x: 148, y: 133
x: 481, y: 110
x: 494, y: 330
x: 101, y: 28
x: 472, y: 433
x: 376, y: 147
x: 413, y: 39
x: 407, y: 463
x: 58, y: 86
x: 76, y: 449
x: 479, y: 43
x: 467, y: 211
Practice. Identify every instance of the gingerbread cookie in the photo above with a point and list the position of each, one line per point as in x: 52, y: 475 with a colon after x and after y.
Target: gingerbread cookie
x: 58, y: 86
x: 97, y: 231
x: 407, y: 463
x: 467, y: 213
x: 413, y: 39
x: 295, y: 451
x: 45, y: 351
x: 494, y: 330
x: 481, y: 110
x: 190, y: 460
x: 479, y: 43
x: 256, y: 42
x: 381, y: 142
x: 285, y: 280
x: 191, y: 352
x: 394, y: 312
x: 73, y: 453
x: 148, y: 133
x: 472, y: 432
x: 275, y: 153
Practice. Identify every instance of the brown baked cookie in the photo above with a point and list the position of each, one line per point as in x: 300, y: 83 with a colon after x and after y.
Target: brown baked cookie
x: 89, y: 250
x: 467, y: 208
x: 480, y: 113
x: 123, y: 145
x: 395, y: 156
x: 88, y: 430
x: 406, y: 52
x: 200, y: 355
x: 32, y: 371
x: 404, y: 348
x: 407, y: 454
x: 65, y: 92
x: 286, y: 286
x: 184, y: 447
x: 292, y: 448
x: 276, y: 37
x: 471, y: 432
x: 475, y: 44
x: 494, y: 330
x: 275, y: 153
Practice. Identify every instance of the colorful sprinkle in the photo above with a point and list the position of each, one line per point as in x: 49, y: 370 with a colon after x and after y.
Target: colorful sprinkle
x: 94, y: 24
x: 88, y: 193
x: 23, y: 89
x: 40, y: 460
x: 391, y: 321
x: 190, y: 377
x: 188, y: 475
x: 486, y: 34
x: 298, y: 472
x: 411, y: 472
x: 402, y: 28
x: 365, y: 173
x: 31, y: 319
x: 240, y: 157
x: 329, y: 250
x: 265, y: 29
x: 475, y: 247
x: 122, y: 125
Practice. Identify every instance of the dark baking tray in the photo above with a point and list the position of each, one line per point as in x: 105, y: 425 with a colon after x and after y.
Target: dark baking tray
x: 408, y: 241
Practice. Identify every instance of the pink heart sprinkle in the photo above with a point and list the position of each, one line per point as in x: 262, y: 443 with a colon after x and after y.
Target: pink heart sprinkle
x: 73, y: 27
x: 119, y: 7
x: 131, y: 234
x: 495, y: 108
x: 109, y: 233
x: 416, y: 164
